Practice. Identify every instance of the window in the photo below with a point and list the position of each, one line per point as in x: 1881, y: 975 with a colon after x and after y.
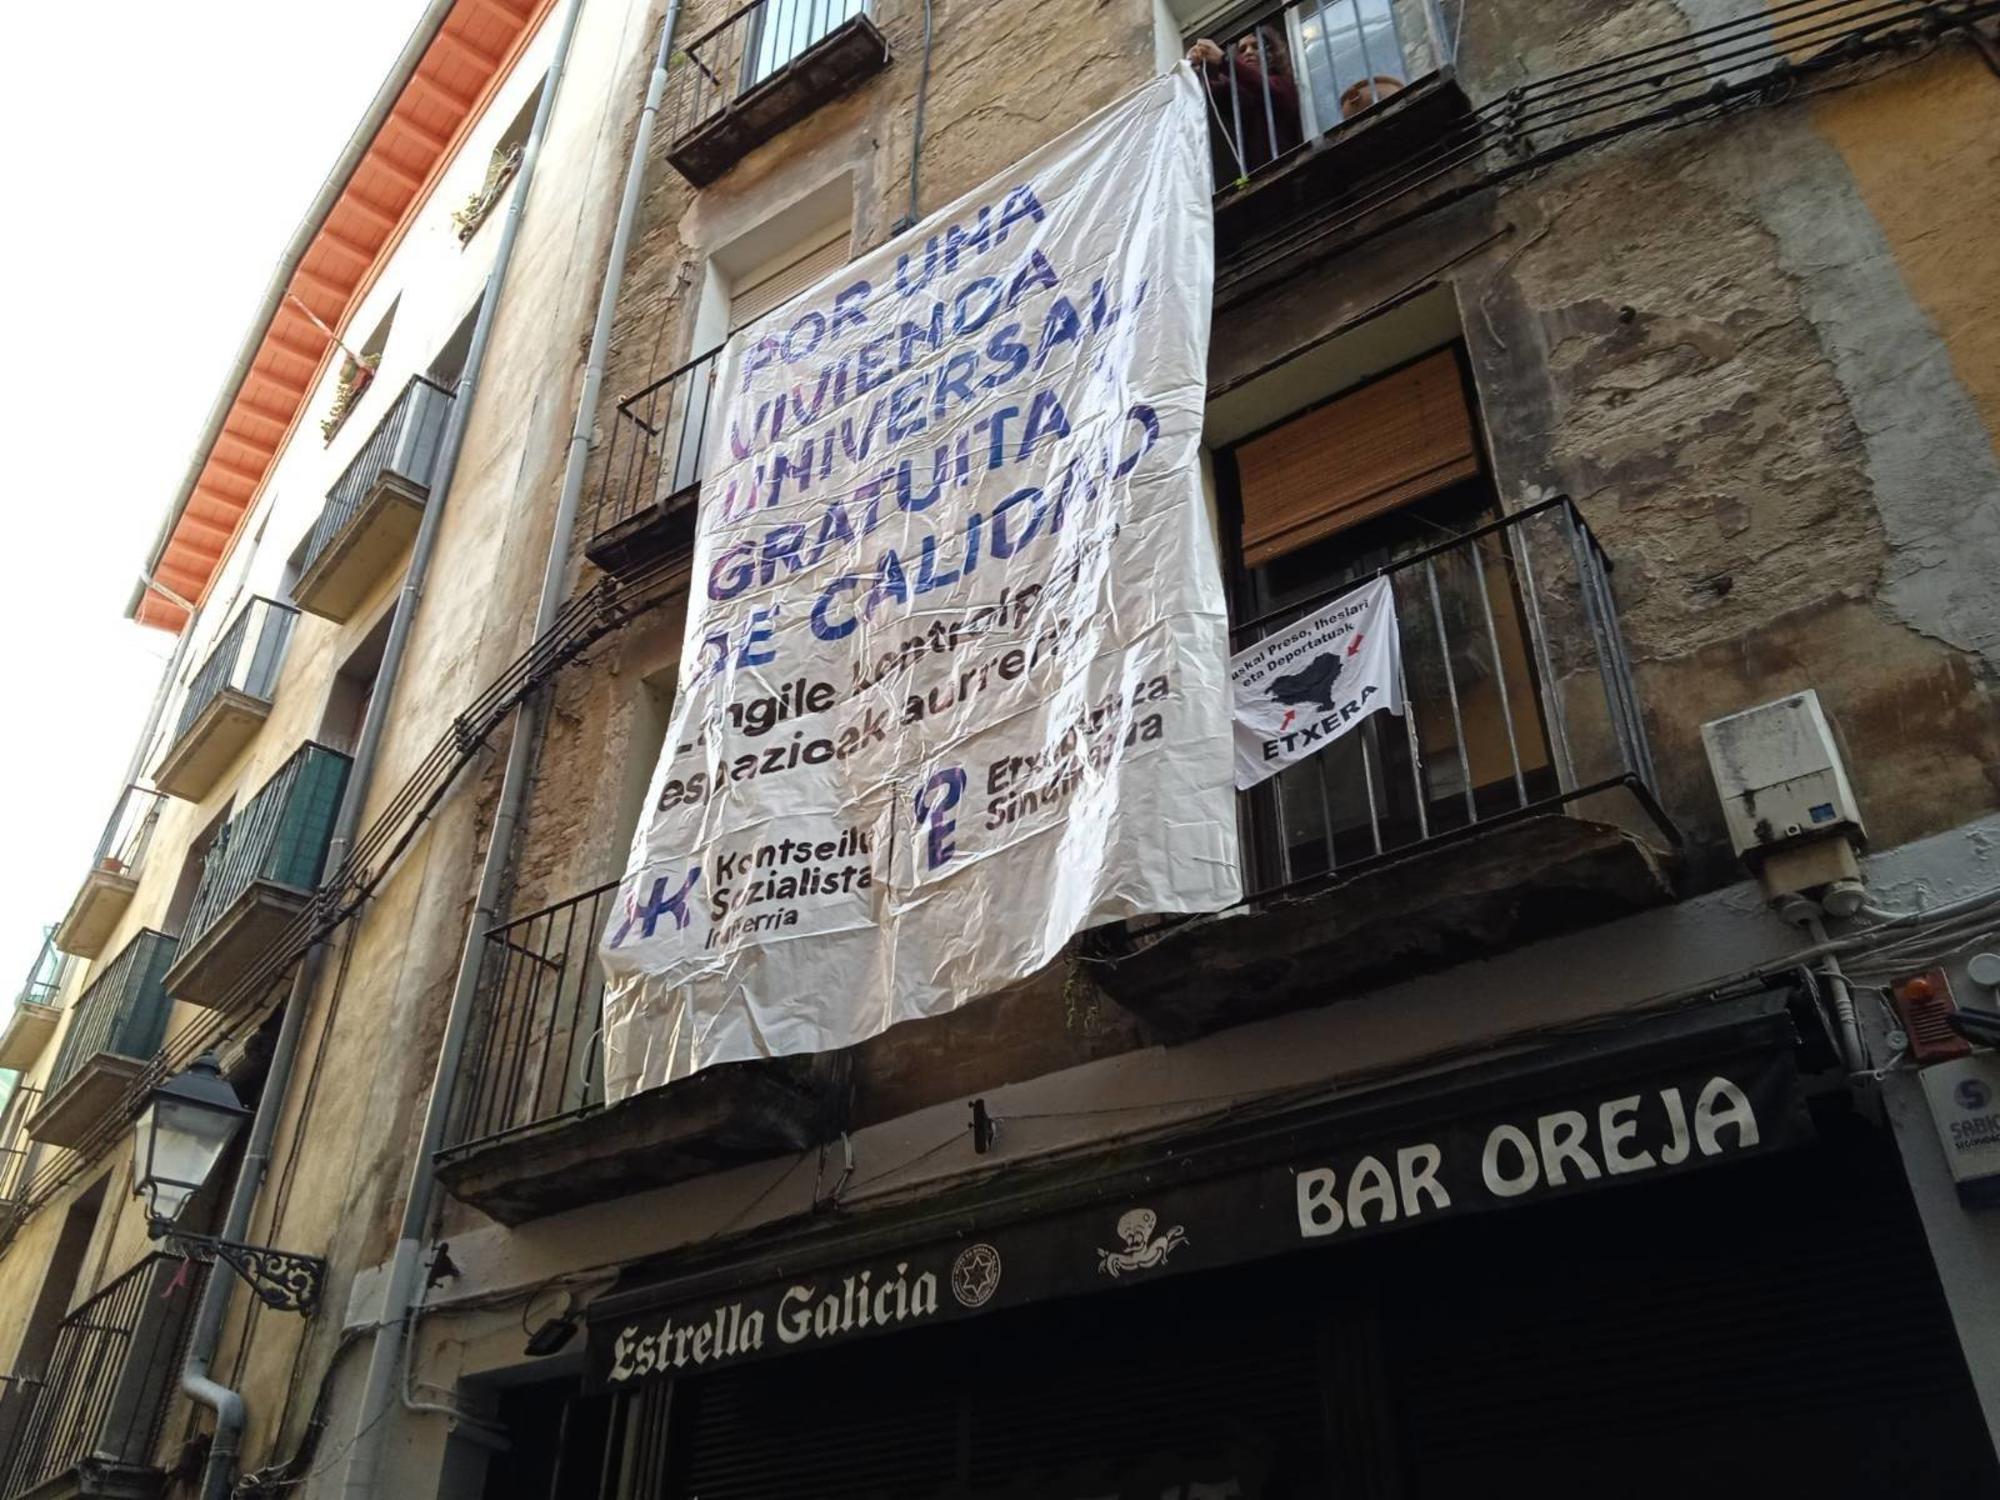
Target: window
x: 353, y: 690
x: 356, y: 374
x: 782, y: 29
x: 60, y: 1285
x: 1389, y: 474
x: 775, y: 282
x: 450, y: 362
x: 644, y: 740
x: 501, y: 168
x: 192, y: 865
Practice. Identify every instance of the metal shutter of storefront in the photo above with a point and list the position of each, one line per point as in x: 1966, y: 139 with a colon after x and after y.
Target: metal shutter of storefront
x: 1770, y: 1328
x: 978, y: 1404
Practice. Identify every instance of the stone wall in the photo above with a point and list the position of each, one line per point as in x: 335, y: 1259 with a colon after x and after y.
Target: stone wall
x: 1708, y: 337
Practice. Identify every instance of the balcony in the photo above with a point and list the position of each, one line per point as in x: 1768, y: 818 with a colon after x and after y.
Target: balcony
x: 117, y: 1026
x: 227, y: 700
x: 114, y: 878
x: 89, y: 1421
x: 37, y: 1009
x: 372, y: 511
x: 1513, y: 799
x: 260, y: 874
x: 651, y: 476
x: 759, y: 71
x: 1375, y: 93
x: 530, y: 1133
x: 17, y: 1146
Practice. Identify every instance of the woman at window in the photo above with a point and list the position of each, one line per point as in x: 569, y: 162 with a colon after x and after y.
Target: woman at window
x: 1255, y: 98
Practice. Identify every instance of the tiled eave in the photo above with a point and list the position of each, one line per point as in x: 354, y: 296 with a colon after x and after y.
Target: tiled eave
x: 466, y: 61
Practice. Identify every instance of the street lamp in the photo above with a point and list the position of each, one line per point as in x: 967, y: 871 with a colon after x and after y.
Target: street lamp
x: 180, y: 1135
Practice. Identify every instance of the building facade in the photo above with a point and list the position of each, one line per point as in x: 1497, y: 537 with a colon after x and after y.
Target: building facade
x: 1647, y: 355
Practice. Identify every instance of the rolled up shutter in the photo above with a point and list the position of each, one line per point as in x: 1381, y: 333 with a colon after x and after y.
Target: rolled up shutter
x: 1396, y: 440
x: 769, y: 287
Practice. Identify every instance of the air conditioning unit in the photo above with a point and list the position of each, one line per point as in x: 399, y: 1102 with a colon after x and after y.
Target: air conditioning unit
x: 1791, y: 814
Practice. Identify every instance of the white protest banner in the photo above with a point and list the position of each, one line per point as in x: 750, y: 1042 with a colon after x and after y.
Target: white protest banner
x: 1296, y: 692
x: 952, y: 684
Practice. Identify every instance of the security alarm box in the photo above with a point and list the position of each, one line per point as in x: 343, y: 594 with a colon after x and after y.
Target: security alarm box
x: 1780, y: 776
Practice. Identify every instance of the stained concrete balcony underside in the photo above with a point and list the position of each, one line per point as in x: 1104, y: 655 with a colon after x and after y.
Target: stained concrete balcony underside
x: 27, y: 1034
x: 721, y: 1117
x: 660, y: 530
x: 67, y: 1116
x: 198, y: 759
x: 93, y: 916
x: 834, y: 65
x: 207, y: 968
x: 1440, y: 904
x: 351, y: 567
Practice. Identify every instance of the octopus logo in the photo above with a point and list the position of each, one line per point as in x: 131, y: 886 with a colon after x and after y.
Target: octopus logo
x: 975, y: 1275
x: 1143, y: 1249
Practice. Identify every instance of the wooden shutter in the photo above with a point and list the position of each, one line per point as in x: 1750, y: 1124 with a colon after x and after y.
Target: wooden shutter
x: 1396, y: 440
x: 772, y: 286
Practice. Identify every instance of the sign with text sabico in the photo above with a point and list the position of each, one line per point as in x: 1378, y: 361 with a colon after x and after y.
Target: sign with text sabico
x: 1321, y: 1195
x: 952, y: 687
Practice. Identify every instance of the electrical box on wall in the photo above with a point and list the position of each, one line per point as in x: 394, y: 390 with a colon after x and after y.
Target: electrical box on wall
x: 1791, y: 814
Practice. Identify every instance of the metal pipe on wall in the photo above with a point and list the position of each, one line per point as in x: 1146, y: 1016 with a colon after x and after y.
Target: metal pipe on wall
x: 387, y: 1350
x: 196, y: 1379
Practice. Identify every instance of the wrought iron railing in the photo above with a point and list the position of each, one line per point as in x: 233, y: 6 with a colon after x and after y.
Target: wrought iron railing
x: 1518, y: 700
x: 246, y: 659
x: 15, y: 1144
x: 405, y: 442
x: 744, y: 49
x: 129, y: 833
x: 104, y: 1390
x: 44, y: 983
x: 536, y: 1057
x: 1302, y: 68
x: 654, y: 453
x: 122, y: 1011
x: 279, y: 838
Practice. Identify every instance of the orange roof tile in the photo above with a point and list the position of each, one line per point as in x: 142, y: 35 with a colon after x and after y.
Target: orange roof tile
x: 471, y: 54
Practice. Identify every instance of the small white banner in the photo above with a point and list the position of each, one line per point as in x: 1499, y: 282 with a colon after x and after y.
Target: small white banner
x: 1296, y: 692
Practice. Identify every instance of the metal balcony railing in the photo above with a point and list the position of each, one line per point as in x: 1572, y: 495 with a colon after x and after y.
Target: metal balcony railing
x: 129, y: 833
x: 246, y: 659
x: 654, y: 454
x: 744, y: 49
x: 44, y: 983
x: 104, y: 1390
x: 1518, y: 701
x: 279, y: 837
x: 122, y: 1011
x: 1292, y: 74
x: 405, y: 443
x: 15, y: 1144
x: 536, y: 1057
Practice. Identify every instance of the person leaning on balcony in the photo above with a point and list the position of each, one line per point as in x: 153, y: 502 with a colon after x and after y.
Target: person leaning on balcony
x: 1240, y: 86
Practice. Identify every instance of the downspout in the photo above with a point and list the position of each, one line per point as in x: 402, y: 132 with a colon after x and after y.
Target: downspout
x: 379, y: 108
x: 385, y: 1356
x: 196, y: 1379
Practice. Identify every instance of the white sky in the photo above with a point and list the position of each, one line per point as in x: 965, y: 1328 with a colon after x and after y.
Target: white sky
x: 157, y: 160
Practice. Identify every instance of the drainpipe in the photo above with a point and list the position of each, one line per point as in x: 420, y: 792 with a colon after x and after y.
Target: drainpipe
x: 196, y: 1379
x: 400, y: 73
x: 386, y: 1354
